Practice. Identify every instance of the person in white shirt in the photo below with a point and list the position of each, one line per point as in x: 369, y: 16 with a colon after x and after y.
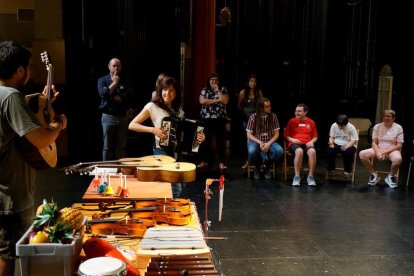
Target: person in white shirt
x: 387, y: 140
x: 342, y: 139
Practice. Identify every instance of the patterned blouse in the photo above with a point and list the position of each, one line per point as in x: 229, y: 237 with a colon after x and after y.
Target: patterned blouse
x: 214, y: 111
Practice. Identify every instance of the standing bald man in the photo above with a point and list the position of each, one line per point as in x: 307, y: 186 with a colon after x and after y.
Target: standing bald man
x: 116, y: 107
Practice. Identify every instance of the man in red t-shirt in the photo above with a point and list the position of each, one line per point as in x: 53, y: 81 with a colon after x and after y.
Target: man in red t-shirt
x: 301, y: 135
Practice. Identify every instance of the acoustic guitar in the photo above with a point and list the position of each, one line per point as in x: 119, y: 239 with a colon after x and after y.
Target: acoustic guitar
x: 174, y: 172
x: 147, y: 168
x: 40, y: 105
x: 88, y: 167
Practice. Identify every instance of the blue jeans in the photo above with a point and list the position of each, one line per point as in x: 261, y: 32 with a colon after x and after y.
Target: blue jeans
x: 115, y: 135
x: 175, y: 187
x: 256, y: 156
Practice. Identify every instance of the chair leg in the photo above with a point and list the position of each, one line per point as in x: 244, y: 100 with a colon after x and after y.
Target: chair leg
x: 248, y: 168
x: 408, y: 176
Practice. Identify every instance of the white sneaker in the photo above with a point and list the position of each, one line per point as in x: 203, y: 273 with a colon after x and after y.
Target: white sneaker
x: 390, y: 180
x: 296, y: 181
x: 311, y: 181
x: 347, y: 175
x: 373, y: 180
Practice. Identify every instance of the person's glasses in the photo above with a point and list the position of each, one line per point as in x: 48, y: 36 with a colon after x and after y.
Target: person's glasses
x: 387, y: 116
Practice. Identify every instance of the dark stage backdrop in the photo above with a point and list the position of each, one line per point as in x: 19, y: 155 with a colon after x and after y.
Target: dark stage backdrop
x: 302, y: 51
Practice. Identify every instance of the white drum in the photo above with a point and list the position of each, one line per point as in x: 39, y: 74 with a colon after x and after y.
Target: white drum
x: 103, y: 266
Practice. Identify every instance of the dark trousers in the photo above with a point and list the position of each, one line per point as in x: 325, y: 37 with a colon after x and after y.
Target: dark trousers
x: 214, y: 128
x: 347, y: 157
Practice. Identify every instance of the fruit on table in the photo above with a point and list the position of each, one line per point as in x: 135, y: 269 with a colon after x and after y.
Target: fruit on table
x: 59, y: 225
x: 39, y: 237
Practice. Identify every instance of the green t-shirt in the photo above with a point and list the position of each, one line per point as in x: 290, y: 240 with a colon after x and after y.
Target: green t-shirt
x: 17, y: 177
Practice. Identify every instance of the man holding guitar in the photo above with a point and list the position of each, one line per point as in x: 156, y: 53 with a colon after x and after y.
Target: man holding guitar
x: 17, y: 121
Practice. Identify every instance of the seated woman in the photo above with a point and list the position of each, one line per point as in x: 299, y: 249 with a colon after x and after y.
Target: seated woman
x: 387, y: 140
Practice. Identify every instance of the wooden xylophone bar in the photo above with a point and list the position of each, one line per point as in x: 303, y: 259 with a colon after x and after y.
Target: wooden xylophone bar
x: 181, y: 265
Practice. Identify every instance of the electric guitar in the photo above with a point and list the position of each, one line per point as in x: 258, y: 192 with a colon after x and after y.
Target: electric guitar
x: 40, y: 105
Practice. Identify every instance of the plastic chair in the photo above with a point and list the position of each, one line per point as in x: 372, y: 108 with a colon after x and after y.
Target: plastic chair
x: 327, y: 176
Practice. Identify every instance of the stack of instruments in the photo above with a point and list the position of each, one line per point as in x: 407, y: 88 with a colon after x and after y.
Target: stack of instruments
x: 173, y: 238
x: 137, y: 217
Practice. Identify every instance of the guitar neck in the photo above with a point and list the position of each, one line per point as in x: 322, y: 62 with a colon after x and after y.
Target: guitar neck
x: 127, y: 166
x: 109, y: 163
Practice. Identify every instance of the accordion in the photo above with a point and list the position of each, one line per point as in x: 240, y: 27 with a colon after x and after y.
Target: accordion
x: 181, y: 135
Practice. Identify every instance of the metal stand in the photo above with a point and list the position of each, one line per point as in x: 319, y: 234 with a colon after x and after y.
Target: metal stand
x: 207, y: 194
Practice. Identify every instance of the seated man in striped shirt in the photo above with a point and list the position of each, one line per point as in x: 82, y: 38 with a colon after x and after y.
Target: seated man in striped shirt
x: 262, y: 133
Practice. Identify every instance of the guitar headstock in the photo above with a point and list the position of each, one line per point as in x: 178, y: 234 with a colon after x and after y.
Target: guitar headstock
x: 46, y: 59
x: 79, y: 168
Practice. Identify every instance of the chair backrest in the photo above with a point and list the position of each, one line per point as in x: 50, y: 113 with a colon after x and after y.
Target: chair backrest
x: 363, y: 124
x: 357, y: 141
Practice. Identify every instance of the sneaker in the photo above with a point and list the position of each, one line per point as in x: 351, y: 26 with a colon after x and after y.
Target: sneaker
x: 256, y: 175
x: 296, y: 181
x: 373, y: 180
x: 268, y: 174
x: 222, y: 166
x: 347, y: 175
x: 245, y: 165
x: 202, y: 165
x: 390, y: 180
x: 311, y: 181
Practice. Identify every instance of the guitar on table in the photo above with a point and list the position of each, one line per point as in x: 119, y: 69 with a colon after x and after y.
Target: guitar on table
x: 41, y: 105
x: 147, y: 168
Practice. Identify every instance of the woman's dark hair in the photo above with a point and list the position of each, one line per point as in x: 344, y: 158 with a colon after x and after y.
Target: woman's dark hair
x: 212, y: 75
x: 164, y: 83
x: 160, y: 77
x: 247, y: 89
x: 342, y: 120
